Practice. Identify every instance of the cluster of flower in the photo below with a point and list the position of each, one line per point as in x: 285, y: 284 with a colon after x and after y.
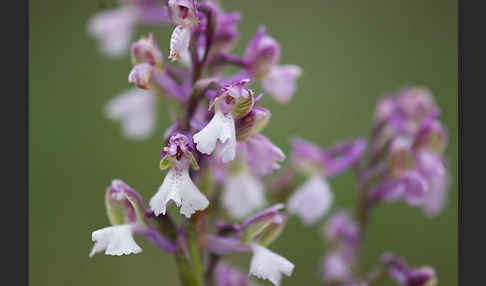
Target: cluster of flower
x: 216, y: 155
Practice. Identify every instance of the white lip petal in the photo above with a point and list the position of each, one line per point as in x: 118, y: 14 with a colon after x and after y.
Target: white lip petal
x: 266, y: 264
x: 178, y: 187
x: 312, y: 200
x: 116, y: 240
x: 179, y: 42
x: 222, y: 128
x: 243, y: 194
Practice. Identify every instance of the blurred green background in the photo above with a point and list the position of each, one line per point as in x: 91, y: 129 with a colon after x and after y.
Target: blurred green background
x: 351, y: 52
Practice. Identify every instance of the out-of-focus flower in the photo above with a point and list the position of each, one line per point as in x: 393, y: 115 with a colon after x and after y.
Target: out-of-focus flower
x: 141, y: 75
x: 340, y: 227
x: 261, y: 57
x: 408, y: 142
x: 113, y: 29
x: 336, y: 267
x: 262, y: 155
x: 243, y: 194
x: 280, y: 82
x: 226, y: 275
x: 145, y: 50
x: 135, y: 109
x: 312, y: 200
x: 262, y: 53
x: 403, y: 274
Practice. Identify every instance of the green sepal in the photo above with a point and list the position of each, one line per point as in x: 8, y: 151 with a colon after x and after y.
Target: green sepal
x: 139, y: 212
x: 193, y: 160
x: 165, y: 163
x: 114, y: 211
x: 243, y: 105
x: 270, y: 233
x: 255, y: 229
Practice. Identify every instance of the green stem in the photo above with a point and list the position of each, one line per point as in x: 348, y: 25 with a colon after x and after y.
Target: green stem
x: 185, y: 270
x: 195, y: 256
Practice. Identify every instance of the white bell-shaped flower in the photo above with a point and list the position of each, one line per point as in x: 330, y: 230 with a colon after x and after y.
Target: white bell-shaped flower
x: 266, y: 264
x: 312, y: 200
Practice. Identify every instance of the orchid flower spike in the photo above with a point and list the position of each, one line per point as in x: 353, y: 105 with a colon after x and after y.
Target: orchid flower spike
x: 177, y: 185
x: 232, y: 101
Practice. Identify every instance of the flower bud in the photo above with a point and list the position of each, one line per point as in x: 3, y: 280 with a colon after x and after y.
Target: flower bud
x: 272, y: 231
x: 341, y: 227
x: 416, y: 103
x: 400, y: 157
x: 243, y: 105
x: 146, y: 50
x: 182, y: 12
x: 431, y: 136
x: 255, y: 225
x: 123, y: 204
x: 404, y: 275
x: 424, y: 276
x: 141, y: 75
x: 262, y: 53
x: 245, y: 126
